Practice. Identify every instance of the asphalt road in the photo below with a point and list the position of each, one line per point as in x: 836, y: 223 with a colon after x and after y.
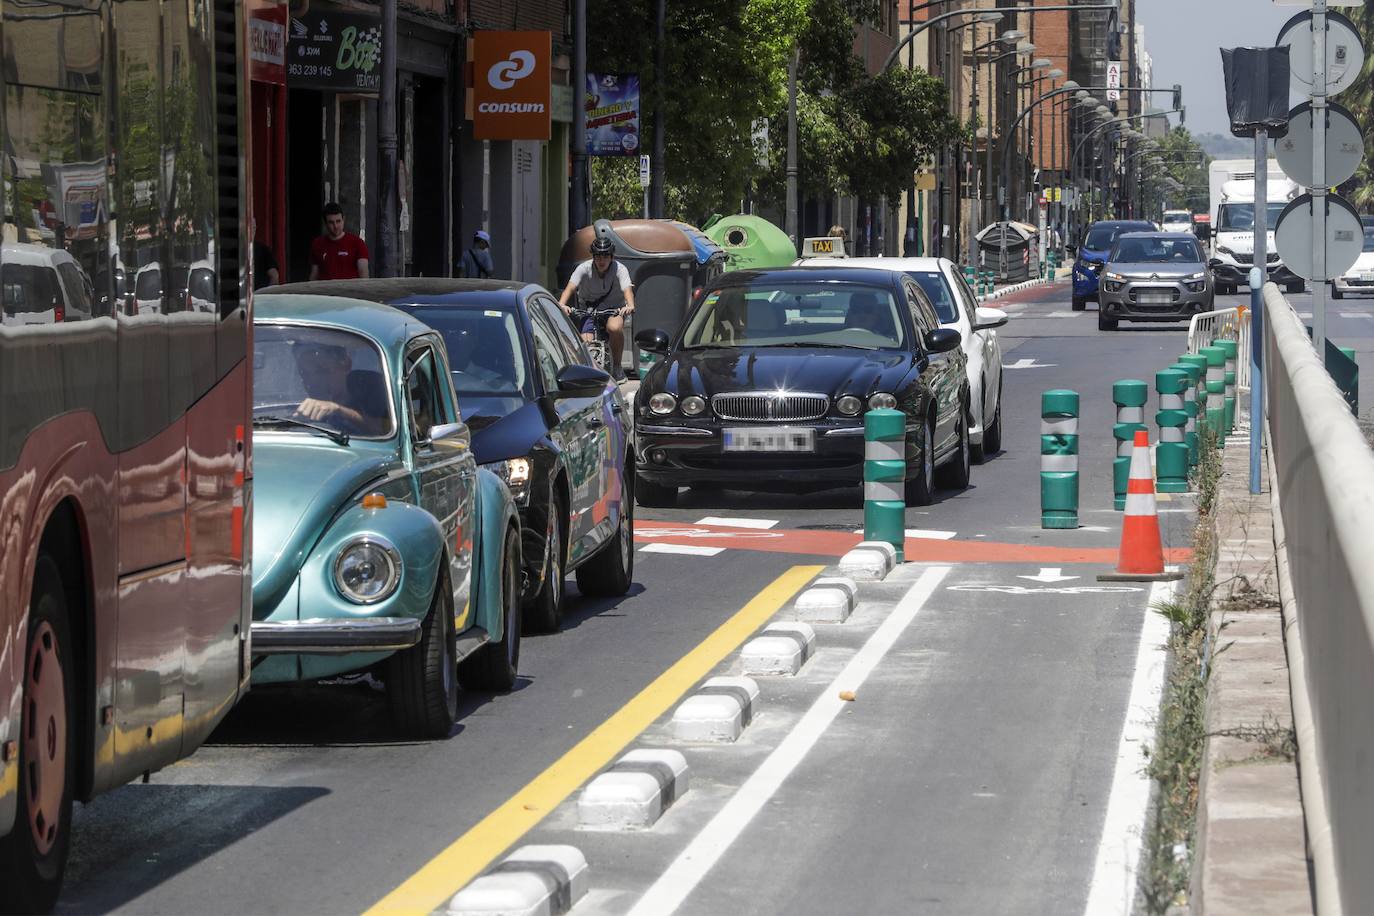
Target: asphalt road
x: 972, y: 774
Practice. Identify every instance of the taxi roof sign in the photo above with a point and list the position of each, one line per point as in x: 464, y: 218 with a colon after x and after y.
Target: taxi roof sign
x: 828, y: 246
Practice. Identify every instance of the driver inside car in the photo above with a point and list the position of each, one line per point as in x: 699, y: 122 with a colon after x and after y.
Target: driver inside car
x: 332, y: 396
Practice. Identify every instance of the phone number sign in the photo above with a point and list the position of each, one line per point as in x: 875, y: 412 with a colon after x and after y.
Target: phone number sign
x: 341, y: 52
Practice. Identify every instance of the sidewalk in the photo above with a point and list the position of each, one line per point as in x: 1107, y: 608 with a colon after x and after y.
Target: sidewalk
x: 1250, y: 848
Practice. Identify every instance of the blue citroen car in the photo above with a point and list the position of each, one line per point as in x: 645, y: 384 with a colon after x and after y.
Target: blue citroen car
x: 543, y: 419
x: 1092, y: 255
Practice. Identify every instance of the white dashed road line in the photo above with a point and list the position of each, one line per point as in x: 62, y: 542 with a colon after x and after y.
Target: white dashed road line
x: 1113, y: 887
x: 721, y: 522
x: 688, y: 869
x: 688, y: 549
x: 925, y: 533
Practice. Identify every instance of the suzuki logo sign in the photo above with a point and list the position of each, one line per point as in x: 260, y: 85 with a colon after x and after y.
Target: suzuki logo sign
x: 511, y: 91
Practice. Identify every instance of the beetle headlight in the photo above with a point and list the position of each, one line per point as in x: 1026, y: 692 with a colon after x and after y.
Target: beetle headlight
x: 693, y: 406
x: 367, y: 570
x: 662, y: 403
x: 849, y: 405
x: 516, y: 473
x: 882, y: 401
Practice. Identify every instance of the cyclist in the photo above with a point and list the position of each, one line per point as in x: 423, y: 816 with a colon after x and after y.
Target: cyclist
x: 602, y: 284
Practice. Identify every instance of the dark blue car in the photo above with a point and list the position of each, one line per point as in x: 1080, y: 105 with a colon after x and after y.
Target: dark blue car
x: 554, y: 428
x: 1092, y: 255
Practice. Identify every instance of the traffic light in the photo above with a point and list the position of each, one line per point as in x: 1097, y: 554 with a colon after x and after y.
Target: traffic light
x: 1178, y: 96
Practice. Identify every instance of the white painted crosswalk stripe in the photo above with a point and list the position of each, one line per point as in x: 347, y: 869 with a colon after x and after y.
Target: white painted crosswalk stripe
x: 688, y: 549
x: 722, y: 522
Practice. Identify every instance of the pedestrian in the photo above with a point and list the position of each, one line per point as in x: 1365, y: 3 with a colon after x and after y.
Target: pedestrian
x: 837, y: 232
x: 600, y: 284
x: 338, y: 254
x: 265, y: 269
x: 477, y: 262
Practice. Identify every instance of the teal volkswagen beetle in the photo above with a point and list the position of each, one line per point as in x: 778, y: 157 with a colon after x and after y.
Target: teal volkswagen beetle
x: 378, y: 544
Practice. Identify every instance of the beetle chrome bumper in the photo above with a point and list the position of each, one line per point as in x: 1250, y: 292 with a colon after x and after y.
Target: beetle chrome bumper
x: 335, y: 636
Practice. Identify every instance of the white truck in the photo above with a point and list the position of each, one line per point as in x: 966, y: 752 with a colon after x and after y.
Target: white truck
x: 1231, y: 206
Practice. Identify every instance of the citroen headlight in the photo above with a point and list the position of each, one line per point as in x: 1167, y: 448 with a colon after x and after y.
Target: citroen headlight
x: 882, y: 401
x: 693, y: 406
x: 516, y: 473
x: 662, y: 403
x: 1200, y: 275
x: 1113, y: 275
x: 849, y: 405
x: 367, y: 569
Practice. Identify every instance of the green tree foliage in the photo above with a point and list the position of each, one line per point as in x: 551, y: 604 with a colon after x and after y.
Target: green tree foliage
x: 1185, y: 162
x: 1359, y: 98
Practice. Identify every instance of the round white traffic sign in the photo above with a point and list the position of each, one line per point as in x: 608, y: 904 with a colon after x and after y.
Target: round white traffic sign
x: 1344, y: 146
x: 1344, y: 237
x: 1344, y: 52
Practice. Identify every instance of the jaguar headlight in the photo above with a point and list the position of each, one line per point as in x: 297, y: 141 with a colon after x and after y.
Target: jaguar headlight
x: 367, y: 569
x: 882, y: 401
x: 516, y: 473
x: 693, y: 406
x: 849, y: 405
x: 662, y: 403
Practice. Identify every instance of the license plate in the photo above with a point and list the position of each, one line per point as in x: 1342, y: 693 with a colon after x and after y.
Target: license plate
x: 770, y: 439
x: 1367, y: 276
x: 1155, y: 298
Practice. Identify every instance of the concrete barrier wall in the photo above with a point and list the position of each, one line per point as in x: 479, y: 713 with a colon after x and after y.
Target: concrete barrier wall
x: 1325, y: 483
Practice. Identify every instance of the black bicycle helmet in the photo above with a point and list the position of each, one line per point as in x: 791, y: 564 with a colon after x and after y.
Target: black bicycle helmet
x: 602, y: 246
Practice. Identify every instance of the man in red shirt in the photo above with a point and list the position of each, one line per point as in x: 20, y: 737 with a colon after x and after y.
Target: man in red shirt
x: 337, y: 255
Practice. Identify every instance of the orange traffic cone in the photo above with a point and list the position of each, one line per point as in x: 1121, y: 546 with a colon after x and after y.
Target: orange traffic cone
x: 1142, y: 554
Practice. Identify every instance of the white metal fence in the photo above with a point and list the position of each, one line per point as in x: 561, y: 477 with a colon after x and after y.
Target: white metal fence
x: 1324, y: 482
x: 1227, y: 324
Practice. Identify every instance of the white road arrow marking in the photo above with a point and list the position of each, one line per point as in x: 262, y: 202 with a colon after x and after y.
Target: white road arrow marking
x: 1048, y: 574
x: 1027, y: 364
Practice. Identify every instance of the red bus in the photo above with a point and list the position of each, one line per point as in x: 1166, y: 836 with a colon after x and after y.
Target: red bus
x: 124, y: 405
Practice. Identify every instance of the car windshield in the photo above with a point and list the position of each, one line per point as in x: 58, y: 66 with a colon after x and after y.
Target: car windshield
x: 325, y: 376
x: 937, y: 288
x: 1241, y: 217
x: 484, y: 345
x: 826, y: 313
x: 1155, y: 251
x: 1100, y: 238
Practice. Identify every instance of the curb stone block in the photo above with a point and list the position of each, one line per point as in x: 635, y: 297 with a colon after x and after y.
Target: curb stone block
x: 828, y: 600
x: 870, y: 561
x: 719, y: 711
x: 635, y: 791
x: 781, y: 649
x: 532, y: 881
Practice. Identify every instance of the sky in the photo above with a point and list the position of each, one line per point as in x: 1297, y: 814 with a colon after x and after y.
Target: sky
x: 1183, y: 38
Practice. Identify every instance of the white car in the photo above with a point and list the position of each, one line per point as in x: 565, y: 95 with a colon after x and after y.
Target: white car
x: 958, y: 308
x: 1177, y: 221
x: 42, y: 286
x: 1359, y: 279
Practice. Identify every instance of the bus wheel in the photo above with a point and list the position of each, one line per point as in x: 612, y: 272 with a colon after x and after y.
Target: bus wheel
x: 34, y: 854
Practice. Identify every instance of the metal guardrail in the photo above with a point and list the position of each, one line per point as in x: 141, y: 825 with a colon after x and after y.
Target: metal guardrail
x: 1230, y: 324
x: 1324, y: 486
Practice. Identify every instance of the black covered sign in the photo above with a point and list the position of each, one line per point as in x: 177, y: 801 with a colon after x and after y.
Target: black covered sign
x: 1256, y: 89
x: 335, y: 51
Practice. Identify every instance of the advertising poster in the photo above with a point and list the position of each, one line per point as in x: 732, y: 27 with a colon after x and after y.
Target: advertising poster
x: 339, y: 52
x: 612, y: 114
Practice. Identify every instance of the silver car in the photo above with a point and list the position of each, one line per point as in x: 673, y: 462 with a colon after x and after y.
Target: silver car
x: 1154, y: 276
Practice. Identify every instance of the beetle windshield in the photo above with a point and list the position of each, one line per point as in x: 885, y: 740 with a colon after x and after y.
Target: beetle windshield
x: 1156, y: 250
x: 801, y: 314
x: 325, y: 376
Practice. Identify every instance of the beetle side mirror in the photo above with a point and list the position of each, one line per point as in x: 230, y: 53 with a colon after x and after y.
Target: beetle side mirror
x: 989, y: 318
x: 942, y: 340
x: 453, y: 433
x: 581, y: 382
x: 653, y: 340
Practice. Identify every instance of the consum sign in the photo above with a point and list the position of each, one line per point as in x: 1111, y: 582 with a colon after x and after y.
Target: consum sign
x: 511, y: 85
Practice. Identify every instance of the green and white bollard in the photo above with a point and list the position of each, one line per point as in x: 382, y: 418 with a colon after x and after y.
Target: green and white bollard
x: 1059, y: 459
x: 1216, y: 392
x: 1200, y: 363
x: 1190, y: 407
x: 885, y: 478
x: 1171, y: 454
x: 1232, y: 350
x: 1129, y: 395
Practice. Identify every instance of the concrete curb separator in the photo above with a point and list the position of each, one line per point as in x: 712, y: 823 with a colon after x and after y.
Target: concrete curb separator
x: 532, y: 881
x: 781, y: 649
x: 635, y: 791
x: 718, y: 712
x: 830, y: 599
x: 870, y: 561
x: 1027, y: 284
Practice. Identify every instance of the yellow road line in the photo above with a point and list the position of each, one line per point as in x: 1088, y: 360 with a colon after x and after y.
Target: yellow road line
x: 466, y: 858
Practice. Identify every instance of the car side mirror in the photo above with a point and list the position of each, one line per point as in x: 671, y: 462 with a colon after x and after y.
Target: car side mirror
x: 581, y: 382
x: 989, y: 318
x: 1214, y: 263
x: 454, y: 433
x: 942, y: 340
x: 653, y: 340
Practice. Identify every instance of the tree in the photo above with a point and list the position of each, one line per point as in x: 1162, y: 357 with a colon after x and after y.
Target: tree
x: 1359, y: 98
x: 1186, y: 162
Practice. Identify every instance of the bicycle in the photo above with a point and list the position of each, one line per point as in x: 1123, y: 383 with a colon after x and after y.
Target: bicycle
x: 600, y: 345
